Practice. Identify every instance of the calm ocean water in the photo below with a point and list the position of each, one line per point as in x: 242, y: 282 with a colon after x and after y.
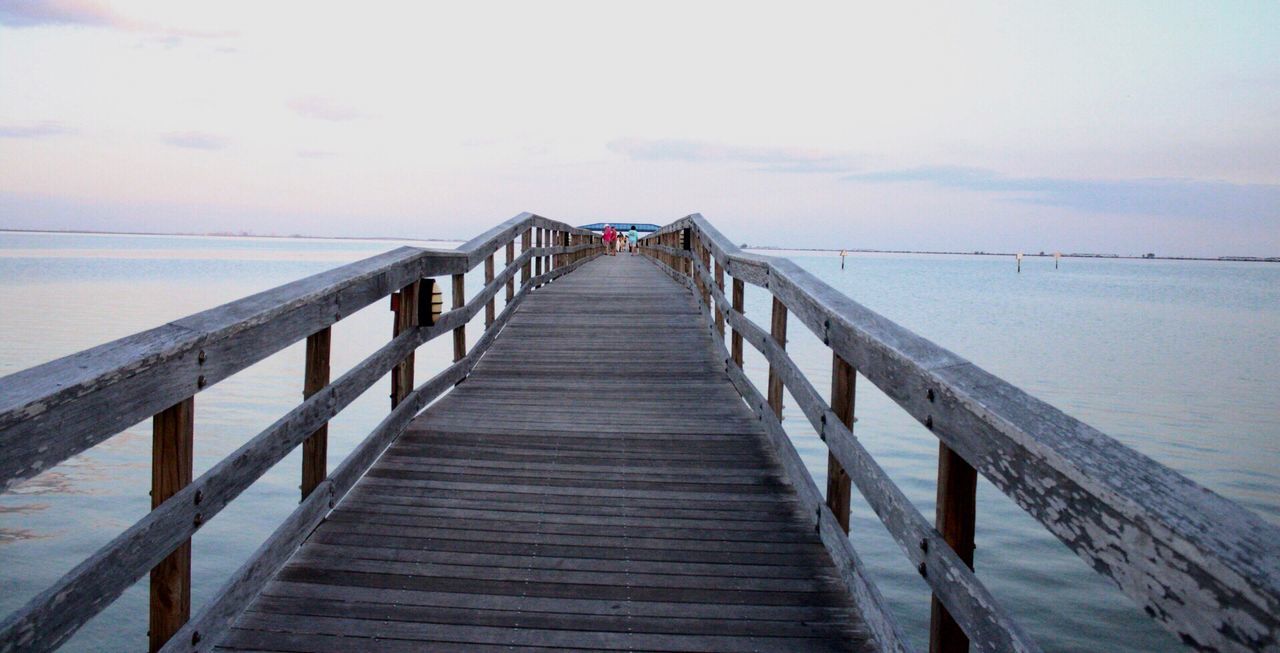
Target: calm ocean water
x: 1175, y: 359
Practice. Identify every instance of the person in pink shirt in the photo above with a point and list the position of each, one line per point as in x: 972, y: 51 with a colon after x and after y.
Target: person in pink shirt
x: 610, y: 235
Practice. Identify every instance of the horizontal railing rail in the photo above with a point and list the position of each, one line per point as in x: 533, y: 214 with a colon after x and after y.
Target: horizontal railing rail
x: 56, y: 410
x: 1204, y: 567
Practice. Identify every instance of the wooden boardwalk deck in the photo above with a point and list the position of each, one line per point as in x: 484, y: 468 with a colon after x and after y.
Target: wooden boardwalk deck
x: 567, y: 496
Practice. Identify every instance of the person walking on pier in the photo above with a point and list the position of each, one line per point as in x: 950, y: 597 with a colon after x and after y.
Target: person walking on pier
x: 610, y: 235
x: 633, y: 238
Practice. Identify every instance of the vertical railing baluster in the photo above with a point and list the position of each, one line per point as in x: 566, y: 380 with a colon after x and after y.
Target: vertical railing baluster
x: 490, y: 309
x: 778, y: 329
x: 735, y: 340
x: 460, y: 333
x: 172, y: 439
x: 315, y: 378
x: 404, y: 305
x: 955, y: 517
x: 537, y: 242
x: 843, y: 392
x: 526, y: 242
x: 720, y: 313
x: 511, y: 280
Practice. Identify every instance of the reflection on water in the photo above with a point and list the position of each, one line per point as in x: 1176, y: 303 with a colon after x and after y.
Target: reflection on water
x: 1168, y: 357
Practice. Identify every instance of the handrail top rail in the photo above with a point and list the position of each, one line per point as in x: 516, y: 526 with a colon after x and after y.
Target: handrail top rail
x: 1170, y: 543
x: 182, y: 357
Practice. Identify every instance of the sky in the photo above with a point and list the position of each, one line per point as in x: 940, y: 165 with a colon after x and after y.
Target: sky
x: 1126, y: 127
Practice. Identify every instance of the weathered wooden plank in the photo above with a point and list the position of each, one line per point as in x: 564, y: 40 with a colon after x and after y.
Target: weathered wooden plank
x: 214, y: 620
x: 778, y: 331
x: 315, y: 448
x: 511, y: 257
x: 775, y: 615
x: 956, y: 509
x: 405, y: 315
x: 870, y: 607
x: 490, y: 308
x: 53, y: 615
x: 843, y: 388
x: 1204, y: 567
x: 53, y: 411
x: 460, y: 333
x: 172, y: 435
x: 975, y: 609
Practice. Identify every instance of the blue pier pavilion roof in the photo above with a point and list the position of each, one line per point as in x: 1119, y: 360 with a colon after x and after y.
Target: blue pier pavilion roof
x: 622, y: 226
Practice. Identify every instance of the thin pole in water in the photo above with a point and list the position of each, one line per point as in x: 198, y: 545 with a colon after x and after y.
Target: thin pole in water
x: 842, y: 255
x: 1019, y: 262
x: 1056, y: 257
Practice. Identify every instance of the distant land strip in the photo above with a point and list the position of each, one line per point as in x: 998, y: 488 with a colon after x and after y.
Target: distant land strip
x: 851, y: 250
x: 1150, y: 257
x: 222, y: 234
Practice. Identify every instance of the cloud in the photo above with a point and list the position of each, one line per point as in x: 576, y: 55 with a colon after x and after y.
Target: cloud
x: 196, y: 140
x: 1151, y: 196
x: 26, y: 13
x: 34, y: 130
x: 89, y: 13
x: 322, y: 108
x: 767, y: 159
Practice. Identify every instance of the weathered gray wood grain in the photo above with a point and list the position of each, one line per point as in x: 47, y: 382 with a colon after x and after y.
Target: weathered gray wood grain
x: 1204, y: 567
x: 53, y: 411
x: 871, y: 608
x: 213, y: 621
x: 990, y: 628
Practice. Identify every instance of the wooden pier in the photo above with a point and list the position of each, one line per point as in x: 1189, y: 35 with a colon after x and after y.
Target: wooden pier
x: 569, y: 496
x: 595, y: 471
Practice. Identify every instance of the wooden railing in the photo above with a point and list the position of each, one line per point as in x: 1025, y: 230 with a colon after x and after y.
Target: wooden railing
x: 1202, y: 566
x: 54, y: 411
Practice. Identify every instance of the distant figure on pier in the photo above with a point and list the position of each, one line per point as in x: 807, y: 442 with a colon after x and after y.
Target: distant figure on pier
x: 633, y: 238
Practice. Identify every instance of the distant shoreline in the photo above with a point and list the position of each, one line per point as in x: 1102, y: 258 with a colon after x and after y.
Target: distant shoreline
x: 1234, y: 259
x: 221, y: 234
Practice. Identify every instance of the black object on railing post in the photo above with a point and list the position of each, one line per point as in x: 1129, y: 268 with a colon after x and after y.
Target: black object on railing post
x: 315, y: 378
x: 843, y: 392
x: 172, y: 438
x: 778, y: 329
x: 956, y: 511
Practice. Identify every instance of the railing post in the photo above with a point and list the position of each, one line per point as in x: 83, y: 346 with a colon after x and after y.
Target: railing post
x: 705, y: 255
x: 957, y: 506
x: 735, y: 340
x: 404, y: 305
x: 778, y: 329
x: 720, y: 313
x: 511, y: 280
x: 843, y: 391
x: 460, y: 333
x: 526, y: 242
x: 537, y: 268
x: 315, y: 378
x: 490, y: 309
x: 172, y: 436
